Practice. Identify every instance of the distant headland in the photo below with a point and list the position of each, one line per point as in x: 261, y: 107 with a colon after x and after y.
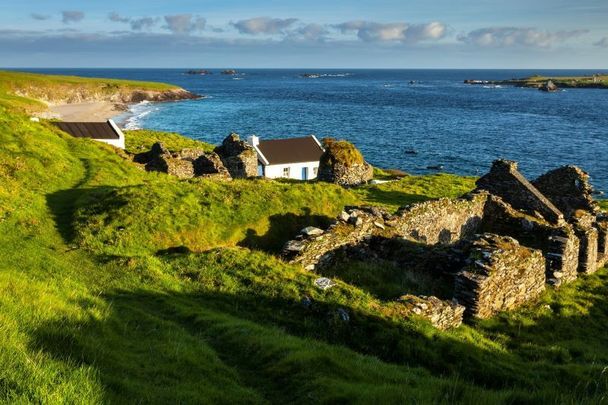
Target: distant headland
x: 596, y: 81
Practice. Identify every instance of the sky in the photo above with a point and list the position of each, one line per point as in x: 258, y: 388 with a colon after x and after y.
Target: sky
x: 508, y: 34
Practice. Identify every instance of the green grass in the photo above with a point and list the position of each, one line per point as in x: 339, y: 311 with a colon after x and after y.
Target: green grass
x: 96, y: 308
x: 20, y: 90
x: 342, y: 152
x: 140, y: 141
x: 563, y: 81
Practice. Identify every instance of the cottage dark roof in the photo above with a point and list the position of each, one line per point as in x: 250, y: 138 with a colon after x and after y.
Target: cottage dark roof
x: 93, y: 130
x: 291, y: 150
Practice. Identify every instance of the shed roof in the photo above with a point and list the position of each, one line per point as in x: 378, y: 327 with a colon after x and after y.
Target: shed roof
x: 291, y: 150
x: 93, y: 130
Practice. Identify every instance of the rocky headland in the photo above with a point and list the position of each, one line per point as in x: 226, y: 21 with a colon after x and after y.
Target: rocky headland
x: 549, y: 84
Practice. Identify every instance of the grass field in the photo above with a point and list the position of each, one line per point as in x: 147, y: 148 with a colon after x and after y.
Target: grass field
x: 122, y: 286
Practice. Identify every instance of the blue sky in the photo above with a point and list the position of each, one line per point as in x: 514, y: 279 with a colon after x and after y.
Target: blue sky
x: 365, y: 34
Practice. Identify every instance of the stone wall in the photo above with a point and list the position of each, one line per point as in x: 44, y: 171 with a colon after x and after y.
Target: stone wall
x: 502, y: 276
x: 568, y: 189
x: 344, y: 175
x: 440, y: 221
x: 588, y: 253
x: 558, y: 243
x: 505, y: 181
x: 441, y: 314
x: 239, y: 157
x: 185, y: 164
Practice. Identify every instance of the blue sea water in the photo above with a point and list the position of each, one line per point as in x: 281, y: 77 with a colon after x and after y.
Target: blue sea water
x: 461, y: 127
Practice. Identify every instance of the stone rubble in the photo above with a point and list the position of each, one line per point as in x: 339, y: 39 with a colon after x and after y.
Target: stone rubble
x: 233, y: 159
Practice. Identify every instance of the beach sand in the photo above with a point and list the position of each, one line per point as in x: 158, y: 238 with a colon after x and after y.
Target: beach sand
x: 95, y: 111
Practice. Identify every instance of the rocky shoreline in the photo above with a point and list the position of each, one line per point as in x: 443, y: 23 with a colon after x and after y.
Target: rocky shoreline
x: 86, y: 106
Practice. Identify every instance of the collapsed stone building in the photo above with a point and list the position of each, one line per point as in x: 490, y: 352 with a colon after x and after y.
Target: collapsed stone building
x: 496, y: 247
x: 233, y: 159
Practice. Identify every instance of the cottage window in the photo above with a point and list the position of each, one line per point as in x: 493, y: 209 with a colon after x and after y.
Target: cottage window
x: 315, y: 170
x: 286, y: 172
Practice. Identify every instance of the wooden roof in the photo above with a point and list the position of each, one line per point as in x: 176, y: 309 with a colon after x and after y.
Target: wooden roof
x: 93, y: 130
x: 291, y: 150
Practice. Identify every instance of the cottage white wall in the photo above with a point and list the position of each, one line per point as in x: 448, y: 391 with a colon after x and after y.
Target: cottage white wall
x: 119, y: 143
x: 276, y: 171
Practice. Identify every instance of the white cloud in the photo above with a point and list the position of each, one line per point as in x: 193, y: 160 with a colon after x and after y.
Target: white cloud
x: 71, y: 16
x: 310, y: 32
x: 512, y: 36
x: 184, y: 24
x: 370, y: 31
x: 264, y: 25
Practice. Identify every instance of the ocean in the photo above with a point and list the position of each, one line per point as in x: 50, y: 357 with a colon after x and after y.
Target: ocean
x: 403, y: 119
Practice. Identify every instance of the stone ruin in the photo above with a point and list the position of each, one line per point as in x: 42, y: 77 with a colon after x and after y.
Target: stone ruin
x: 233, y: 159
x: 496, y: 247
x: 239, y: 157
x: 343, y: 164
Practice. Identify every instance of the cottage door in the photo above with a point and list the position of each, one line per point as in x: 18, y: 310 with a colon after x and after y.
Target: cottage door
x: 305, y: 173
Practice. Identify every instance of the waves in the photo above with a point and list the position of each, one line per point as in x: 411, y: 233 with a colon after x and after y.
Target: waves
x: 137, y: 113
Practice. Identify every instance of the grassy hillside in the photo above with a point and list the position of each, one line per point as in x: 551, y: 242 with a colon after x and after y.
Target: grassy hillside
x: 118, y: 285
x: 21, y: 90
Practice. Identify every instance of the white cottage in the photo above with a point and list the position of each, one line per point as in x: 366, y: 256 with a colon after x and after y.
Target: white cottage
x: 107, y: 132
x: 291, y: 158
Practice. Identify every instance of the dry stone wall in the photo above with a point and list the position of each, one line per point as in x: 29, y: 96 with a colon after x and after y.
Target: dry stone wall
x: 502, y: 276
x: 568, y: 189
x: 441, y: 314
x: 185, y: 164
x: 505, y: 181
x: 505, y: 241
x: 239, y: 157
x: 440, y: 221
x: 559, y: 244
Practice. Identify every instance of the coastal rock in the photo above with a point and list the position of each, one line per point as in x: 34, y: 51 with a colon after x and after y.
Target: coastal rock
x: 230, y: 72
x: 549, y: 87
x: 311, y: 231
x: 200, y: 72
x: 343, y: 164
x: 238, y: 156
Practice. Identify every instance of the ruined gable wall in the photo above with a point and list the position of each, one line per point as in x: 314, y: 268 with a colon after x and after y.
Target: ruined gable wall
x: 505, y: 181
x: 559, y: 244
x: 502, y: 276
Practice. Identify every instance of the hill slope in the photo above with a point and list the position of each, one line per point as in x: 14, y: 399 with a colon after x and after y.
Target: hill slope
x: 119, y: 285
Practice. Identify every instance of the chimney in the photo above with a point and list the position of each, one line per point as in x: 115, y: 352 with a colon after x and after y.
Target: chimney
x: 253, y: 140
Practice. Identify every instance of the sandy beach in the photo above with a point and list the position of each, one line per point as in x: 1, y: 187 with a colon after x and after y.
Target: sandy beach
x: 83, y: 112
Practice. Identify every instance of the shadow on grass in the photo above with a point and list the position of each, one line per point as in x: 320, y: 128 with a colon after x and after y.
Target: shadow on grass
x: 223, y: 347
x: 64, y: 205
x: 283, y: 227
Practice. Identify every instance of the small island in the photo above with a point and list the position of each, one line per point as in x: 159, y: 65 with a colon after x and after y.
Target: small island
x: 596, y: 81
x: 200, y: 72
